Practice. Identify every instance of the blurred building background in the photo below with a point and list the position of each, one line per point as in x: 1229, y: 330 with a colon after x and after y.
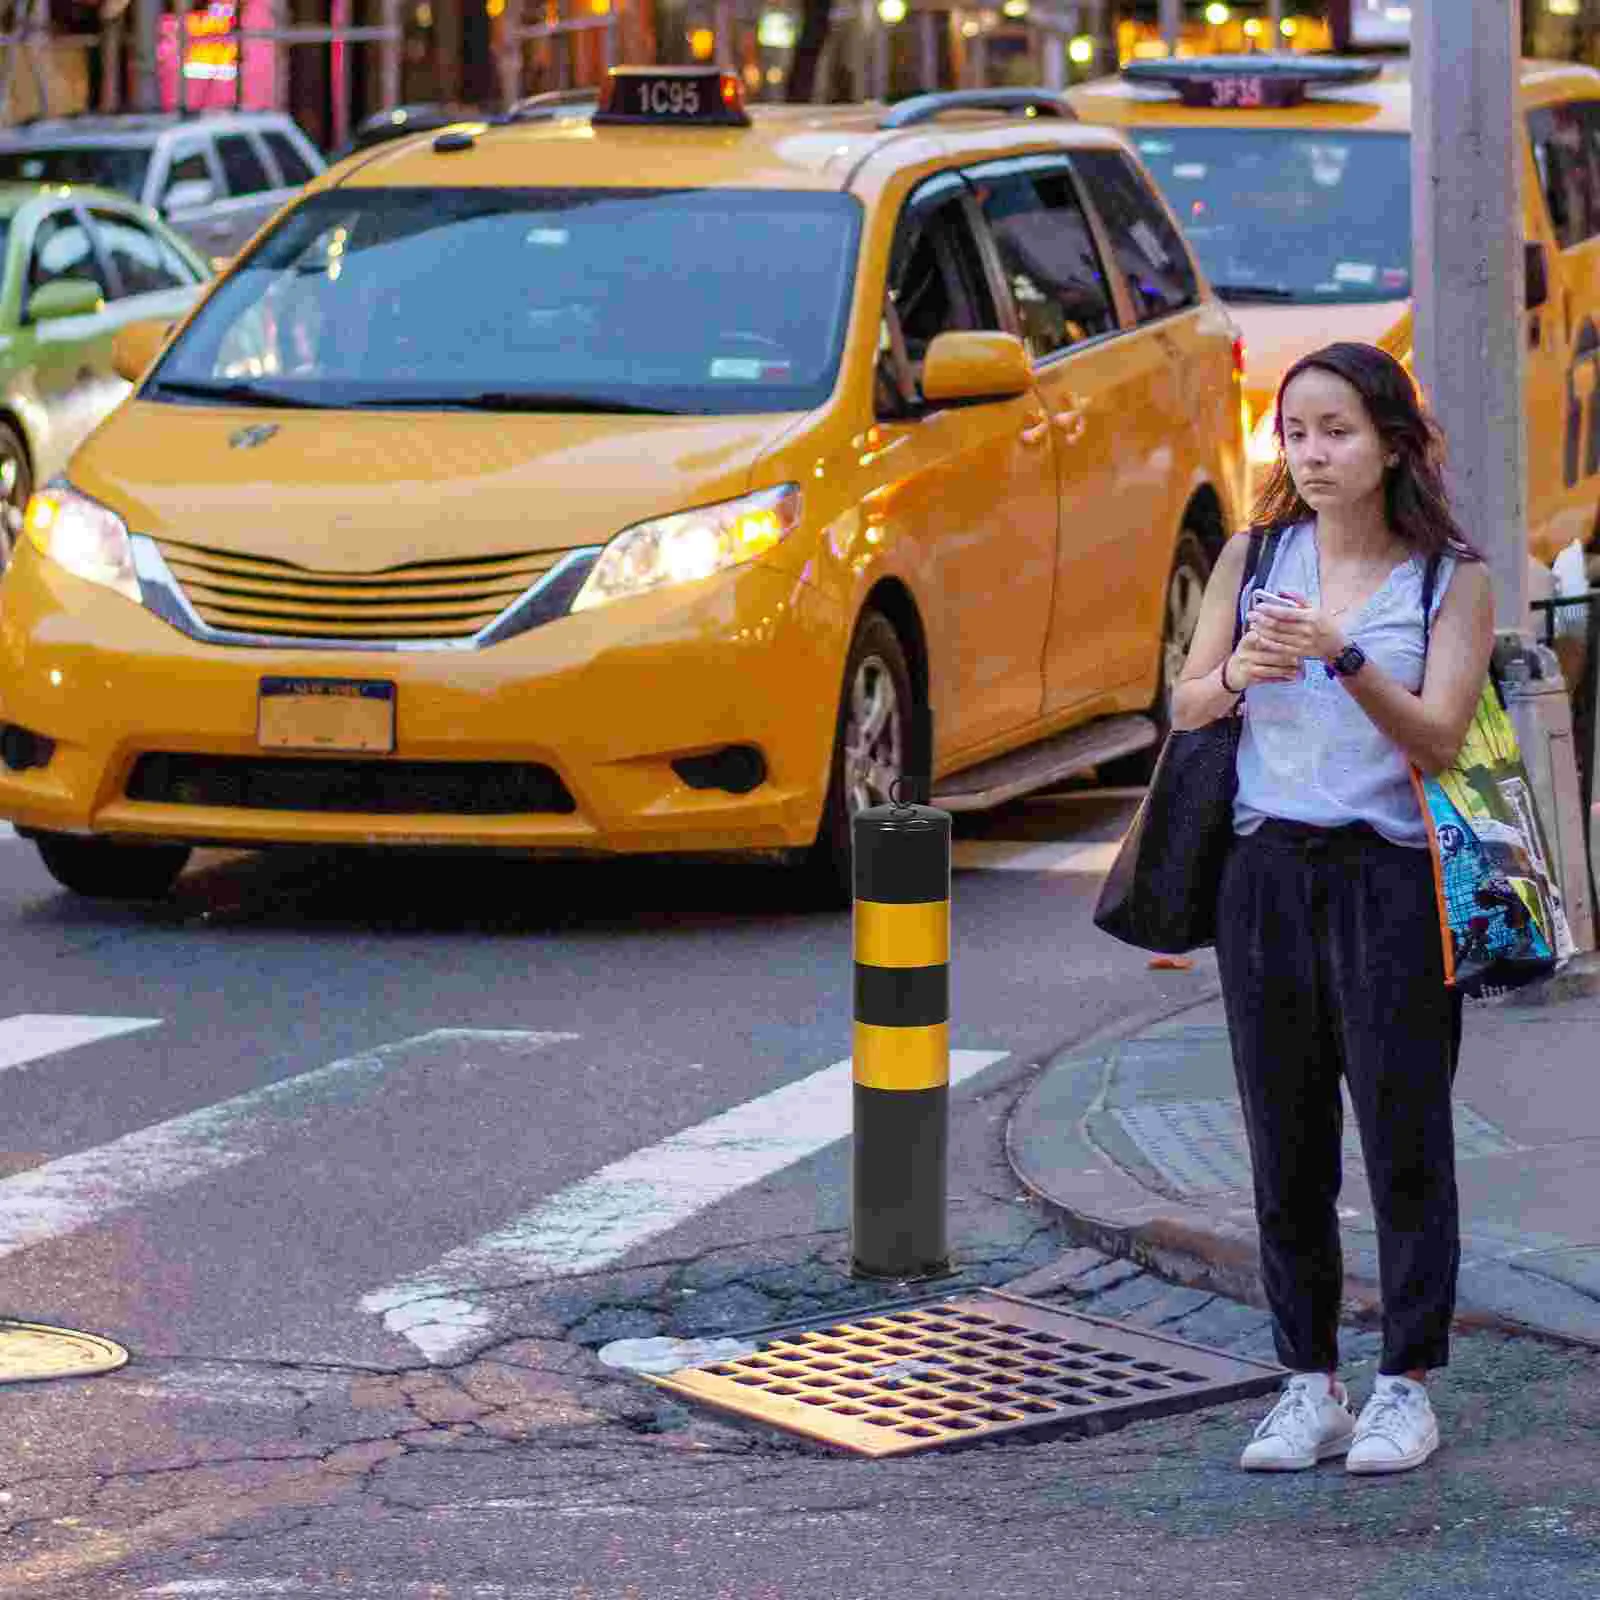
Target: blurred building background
x: 332, y: 62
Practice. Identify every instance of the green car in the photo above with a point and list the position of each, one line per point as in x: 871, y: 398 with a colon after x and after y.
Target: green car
x: 79, y: 263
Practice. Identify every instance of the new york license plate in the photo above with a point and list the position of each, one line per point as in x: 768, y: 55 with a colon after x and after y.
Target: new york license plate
x: 326, y: 714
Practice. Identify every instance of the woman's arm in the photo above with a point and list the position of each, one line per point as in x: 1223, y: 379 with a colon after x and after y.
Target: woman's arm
x: 1429, y: 727
x: 1200, y: 695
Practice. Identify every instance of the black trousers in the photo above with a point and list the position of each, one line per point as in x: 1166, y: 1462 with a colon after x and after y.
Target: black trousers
x: 1329, y: 949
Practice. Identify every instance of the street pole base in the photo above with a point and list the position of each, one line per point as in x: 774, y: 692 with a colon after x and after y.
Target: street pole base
x: 916, y: 1274
x: 33, y: 1351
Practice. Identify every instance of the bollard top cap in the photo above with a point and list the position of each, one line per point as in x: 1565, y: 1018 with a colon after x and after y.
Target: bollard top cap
x: 903, y: 814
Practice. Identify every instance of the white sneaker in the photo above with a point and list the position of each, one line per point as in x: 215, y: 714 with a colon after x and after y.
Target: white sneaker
x: 1310, y: 1423
x: 1396, y: 1430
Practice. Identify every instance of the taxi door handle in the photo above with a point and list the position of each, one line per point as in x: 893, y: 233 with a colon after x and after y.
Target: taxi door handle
x: 1073, y: 422
x: 1036, y: 429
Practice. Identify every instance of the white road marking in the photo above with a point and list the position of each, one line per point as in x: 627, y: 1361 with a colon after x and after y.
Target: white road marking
x: 7, y: 832
x: 1039, y: 855
x: 599, y: 1220
x: 79, y: 1190
x: 34, y: 1035
x: 421, y: 1589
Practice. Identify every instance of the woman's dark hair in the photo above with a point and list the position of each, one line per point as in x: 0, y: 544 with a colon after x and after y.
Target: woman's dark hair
x: 1414, y: 497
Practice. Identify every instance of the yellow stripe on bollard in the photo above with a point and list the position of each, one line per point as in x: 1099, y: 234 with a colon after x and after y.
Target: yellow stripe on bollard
x: 901, y: 1058
x: 915, y: 935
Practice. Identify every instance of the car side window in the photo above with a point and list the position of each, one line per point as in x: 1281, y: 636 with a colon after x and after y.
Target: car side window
x: 62, y: 248
x: 143, y: 263
x: 1566, y: 152
x: 1049, y: 257
x: 936, y: 285
x: 1144, y: 242
x: 294, y: 166
x: 245, y: 171
x: 189, y: 165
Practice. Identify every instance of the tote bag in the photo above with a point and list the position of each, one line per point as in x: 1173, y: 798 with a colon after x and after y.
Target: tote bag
x: 1500, y: 913
x: 1161, y: 891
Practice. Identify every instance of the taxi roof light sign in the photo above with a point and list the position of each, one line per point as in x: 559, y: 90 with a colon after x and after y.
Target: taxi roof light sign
x: 1251, y: 82
x: 705, y: 97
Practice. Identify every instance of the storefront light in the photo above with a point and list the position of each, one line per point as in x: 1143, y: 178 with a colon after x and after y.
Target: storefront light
x: 1080, y: 51
x: 702, y: 44
x: 1289, y: 27
x: 891, y: 11
x: 1217, y: 13
x: 776, y: 30
x: 1015, y: 8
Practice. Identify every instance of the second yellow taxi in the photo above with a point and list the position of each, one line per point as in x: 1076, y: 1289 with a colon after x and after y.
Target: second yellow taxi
x: 671, y: 480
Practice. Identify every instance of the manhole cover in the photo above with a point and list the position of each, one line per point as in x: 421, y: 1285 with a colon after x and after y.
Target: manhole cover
x: 967, y: 1370
x: 30, y: 1350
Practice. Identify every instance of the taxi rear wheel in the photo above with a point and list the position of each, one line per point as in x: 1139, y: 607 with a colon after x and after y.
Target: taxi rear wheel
x: 104, y: 870
x: 1186, y: 588
x: 872, y: 741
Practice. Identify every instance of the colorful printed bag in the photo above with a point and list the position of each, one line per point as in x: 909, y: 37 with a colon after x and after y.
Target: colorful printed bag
x: 1500, y: 910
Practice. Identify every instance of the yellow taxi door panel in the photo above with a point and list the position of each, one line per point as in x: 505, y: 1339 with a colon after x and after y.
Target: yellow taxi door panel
x: 1109, y: 397
x: 1562, y: 375
x: 969, y: 492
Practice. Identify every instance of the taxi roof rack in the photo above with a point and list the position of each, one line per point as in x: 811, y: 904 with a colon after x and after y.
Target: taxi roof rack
x: 926, y: 107
x: 538, y: 107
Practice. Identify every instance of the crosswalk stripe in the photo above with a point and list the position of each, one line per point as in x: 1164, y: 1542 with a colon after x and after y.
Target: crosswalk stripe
x: 76, y: 1191
x: 1020, y: 855
x: 597, y: 1221
x: 34, y: 1035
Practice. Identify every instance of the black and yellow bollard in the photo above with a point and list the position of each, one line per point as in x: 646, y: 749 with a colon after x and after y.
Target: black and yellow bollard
x: 901, y: 1053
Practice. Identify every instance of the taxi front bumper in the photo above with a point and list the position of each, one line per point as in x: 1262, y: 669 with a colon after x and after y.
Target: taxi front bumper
x: 155, y: 734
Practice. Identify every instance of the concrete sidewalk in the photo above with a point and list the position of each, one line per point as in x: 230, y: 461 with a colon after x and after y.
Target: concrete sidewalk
x: 1140, y: 1142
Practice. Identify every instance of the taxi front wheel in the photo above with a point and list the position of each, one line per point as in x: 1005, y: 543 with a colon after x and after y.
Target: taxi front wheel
x: 102, y: 869
x: 870, y: 748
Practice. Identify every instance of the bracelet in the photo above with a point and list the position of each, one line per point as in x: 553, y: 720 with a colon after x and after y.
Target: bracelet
x: 1222, y: 675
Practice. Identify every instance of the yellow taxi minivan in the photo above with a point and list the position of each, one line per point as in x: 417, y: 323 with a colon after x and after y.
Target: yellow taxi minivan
x: 1292, y: 178
x: 671, y: 480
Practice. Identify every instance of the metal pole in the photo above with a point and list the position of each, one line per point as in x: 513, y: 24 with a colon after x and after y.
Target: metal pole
x: 146, y: 43
x: 1275, y: 23
x: 1467, y: 271
x: 511, y: 53
x: 389, y: 56
x: 900, y: 1054
x: 928, y: 50
x: 1171, y: 24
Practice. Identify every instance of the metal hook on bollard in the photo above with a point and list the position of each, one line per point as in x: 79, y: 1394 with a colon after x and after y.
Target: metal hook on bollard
x: 900, y: 1054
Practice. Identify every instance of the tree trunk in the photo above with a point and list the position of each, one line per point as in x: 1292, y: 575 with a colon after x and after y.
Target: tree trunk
x: 808, y: 51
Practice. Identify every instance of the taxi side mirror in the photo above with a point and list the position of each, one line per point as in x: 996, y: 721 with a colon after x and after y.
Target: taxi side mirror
x: 1535, y: 275
x: 65, y: 297
x: 976, y: 366
x: 136, y: 345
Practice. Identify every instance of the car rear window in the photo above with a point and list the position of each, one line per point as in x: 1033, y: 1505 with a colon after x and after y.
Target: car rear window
x: 1298, y: 216
x: 121, y: 167
x: 678, y: 300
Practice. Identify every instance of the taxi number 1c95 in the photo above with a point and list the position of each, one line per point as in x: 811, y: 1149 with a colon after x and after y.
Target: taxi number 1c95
x: 667, y: 97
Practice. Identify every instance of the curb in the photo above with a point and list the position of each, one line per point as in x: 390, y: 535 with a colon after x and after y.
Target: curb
x: 1188, y: 1245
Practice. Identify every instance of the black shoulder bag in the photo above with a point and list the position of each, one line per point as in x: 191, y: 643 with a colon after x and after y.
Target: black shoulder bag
x: 1161, y: 892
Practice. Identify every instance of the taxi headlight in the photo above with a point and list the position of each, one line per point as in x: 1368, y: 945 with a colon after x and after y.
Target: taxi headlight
x: 690, y: 544
x: 84, y: 537
x: 1263, y: 446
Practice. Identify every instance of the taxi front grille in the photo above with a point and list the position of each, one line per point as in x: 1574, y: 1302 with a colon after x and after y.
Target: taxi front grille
x: 369, y: 788
x: 421, y: 600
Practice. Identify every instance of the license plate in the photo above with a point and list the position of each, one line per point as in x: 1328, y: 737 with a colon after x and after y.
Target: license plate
x: 326, y: 714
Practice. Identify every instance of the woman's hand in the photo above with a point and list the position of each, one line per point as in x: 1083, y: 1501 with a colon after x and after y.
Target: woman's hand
x: 1260, y: 660
x: 1301, y: 629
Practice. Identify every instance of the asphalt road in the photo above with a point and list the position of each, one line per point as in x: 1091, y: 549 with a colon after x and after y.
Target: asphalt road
x: 365, y: 1158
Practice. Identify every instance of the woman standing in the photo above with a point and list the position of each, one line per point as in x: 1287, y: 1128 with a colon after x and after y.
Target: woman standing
x: 1328, y: 938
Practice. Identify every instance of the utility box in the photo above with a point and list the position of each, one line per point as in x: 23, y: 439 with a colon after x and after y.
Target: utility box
x: 1540, y: 710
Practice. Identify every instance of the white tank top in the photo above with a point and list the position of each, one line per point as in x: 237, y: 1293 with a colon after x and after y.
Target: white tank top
x: 1308, y: 753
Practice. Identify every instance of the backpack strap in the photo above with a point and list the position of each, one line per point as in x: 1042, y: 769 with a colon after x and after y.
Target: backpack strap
x: 1430, y: 587
x: 1263, y: 552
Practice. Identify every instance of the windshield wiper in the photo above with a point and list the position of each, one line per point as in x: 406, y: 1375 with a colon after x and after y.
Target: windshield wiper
x: 1254, y: 291
x: 517, y: 400
x: 242, y: 394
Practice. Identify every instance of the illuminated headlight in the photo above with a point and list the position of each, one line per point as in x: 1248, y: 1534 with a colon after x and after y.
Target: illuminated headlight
x: 1264, y: 440
x: 82, y: 536
x: 690, y: 545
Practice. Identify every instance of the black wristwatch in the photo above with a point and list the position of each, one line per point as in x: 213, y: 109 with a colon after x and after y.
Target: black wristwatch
x: 1347, y: 663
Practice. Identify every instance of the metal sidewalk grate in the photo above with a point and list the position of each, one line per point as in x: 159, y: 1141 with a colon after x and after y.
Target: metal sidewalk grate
x: 967, y: 1370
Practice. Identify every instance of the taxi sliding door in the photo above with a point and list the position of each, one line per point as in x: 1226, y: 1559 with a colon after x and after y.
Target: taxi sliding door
x: 967, y: 496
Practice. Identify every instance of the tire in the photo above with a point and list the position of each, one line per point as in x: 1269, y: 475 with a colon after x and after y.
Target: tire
x: 877, y: 688
x: 16, y: 485
x: 102, y: 869
x: 1180, y: 615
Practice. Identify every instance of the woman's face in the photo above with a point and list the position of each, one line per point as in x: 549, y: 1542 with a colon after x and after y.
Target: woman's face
x: 1335, y: 455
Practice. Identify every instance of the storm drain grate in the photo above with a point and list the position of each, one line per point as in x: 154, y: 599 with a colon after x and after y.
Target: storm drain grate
x: 964, y: 1371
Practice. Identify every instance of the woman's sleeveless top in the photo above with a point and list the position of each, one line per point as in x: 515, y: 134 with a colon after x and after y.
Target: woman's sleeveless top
x: 1308, y: 752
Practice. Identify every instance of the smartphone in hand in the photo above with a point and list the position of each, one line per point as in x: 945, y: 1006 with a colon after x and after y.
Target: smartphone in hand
x: 1272, y: 597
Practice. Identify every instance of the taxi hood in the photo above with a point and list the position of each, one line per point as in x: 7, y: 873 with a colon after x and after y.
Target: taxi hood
x: 1275, y: 337
x: 355, y: 491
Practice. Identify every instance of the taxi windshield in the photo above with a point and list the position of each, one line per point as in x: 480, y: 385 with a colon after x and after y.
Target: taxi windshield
x: 625, y: 300
x: 1287, y: 216
x: 112, y: 166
